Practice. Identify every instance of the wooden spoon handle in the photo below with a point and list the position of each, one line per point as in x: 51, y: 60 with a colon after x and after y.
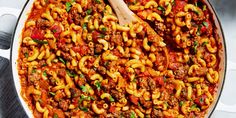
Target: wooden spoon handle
x: 124, y: 14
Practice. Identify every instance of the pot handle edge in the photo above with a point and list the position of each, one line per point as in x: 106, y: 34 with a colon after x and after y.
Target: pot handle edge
x: 7, y: 11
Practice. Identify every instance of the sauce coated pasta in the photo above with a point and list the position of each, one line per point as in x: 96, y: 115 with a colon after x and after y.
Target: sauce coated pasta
x: 77, y: 61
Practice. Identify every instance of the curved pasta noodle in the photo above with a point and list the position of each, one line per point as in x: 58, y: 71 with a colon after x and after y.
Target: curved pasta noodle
x: 96, y: 109
x: 150, y: 4
x: 155, y: 16
x: 34, y: 55
x: 81, y: 64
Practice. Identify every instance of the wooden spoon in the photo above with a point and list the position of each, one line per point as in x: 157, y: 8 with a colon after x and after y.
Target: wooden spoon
x: 126, y: 16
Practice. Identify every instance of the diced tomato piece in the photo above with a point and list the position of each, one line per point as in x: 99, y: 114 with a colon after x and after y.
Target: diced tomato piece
x: 159, y: 80
x: 44, y: 98
x: 95, y: 35
x: 112, y: 109
x: 37, y: 114
x: 37, y: 34
x: 174, y: 66
x: 144, y: 74
x: 200, y: 101
x: 133, y: 99
x: 179, y: 5
x: 59, y: 113
x: 61, y: 43
x: 81, y: 49
x: 143, y: 2
x: 44, y: 84
x: 211, y: 89
x: 209, y: 27
x: 56, y: 29
x: 117, y: 53
x: 203, y: 29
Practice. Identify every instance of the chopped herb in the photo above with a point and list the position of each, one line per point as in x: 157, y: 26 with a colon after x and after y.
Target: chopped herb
x: 195, y: 50
x: 44, y: 73
x: 106, y: 63
x: 193, y: 106
x: 26, y: 55
x: 54, y: 30
x: 134, y: 80
x: 104, y: 29
x: 89, y: 11
x: 199, y: 30
x: 44, y: 65
x: 82, y: 98
x: 201, y: 100
x: 161, y: 9
x: 205, y: 24
x: 81, y: 75
x: 98, y: 1
x: 111, y: 99
x: 55, y: 115
x: 84, y: 26
x: 91, y: 97
x: 74, y: 95
x: 101, y: 36
x: 181, y: 103
x: 70, y: 73
x: 52, y: 93
x: 34, y: 71
x: 204, y: 8
x: 132, y: 115
x: 173, y: 3
x: 139, y: 104
x: 98, y: 85
x: 166, y: 104
x: 68, y: 6
x: 204, y: 43
x: 39, y: 41
x: 84, y: 89
x: 196, y: 4
x: 165, y: 79
x: 84, y: 109
x: 62, y: 60
x: 72, y: 0
x: 195, y: 43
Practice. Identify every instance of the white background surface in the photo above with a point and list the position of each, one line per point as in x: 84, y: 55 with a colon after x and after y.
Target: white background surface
x: 228, y: 20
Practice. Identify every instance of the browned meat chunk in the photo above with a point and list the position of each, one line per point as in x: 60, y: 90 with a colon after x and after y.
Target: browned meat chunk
x: 151, y: 83
x: 157, y: 113
x: 61, y: 72
x: 117, y: 95
x: 74, y: 16
x: 102, y: 70
x: 98, y: 48
x: 43, y: 24
x: 117, y: 39
x: 64, y: 104
x: 146, y: 104
x: 181, y: 72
